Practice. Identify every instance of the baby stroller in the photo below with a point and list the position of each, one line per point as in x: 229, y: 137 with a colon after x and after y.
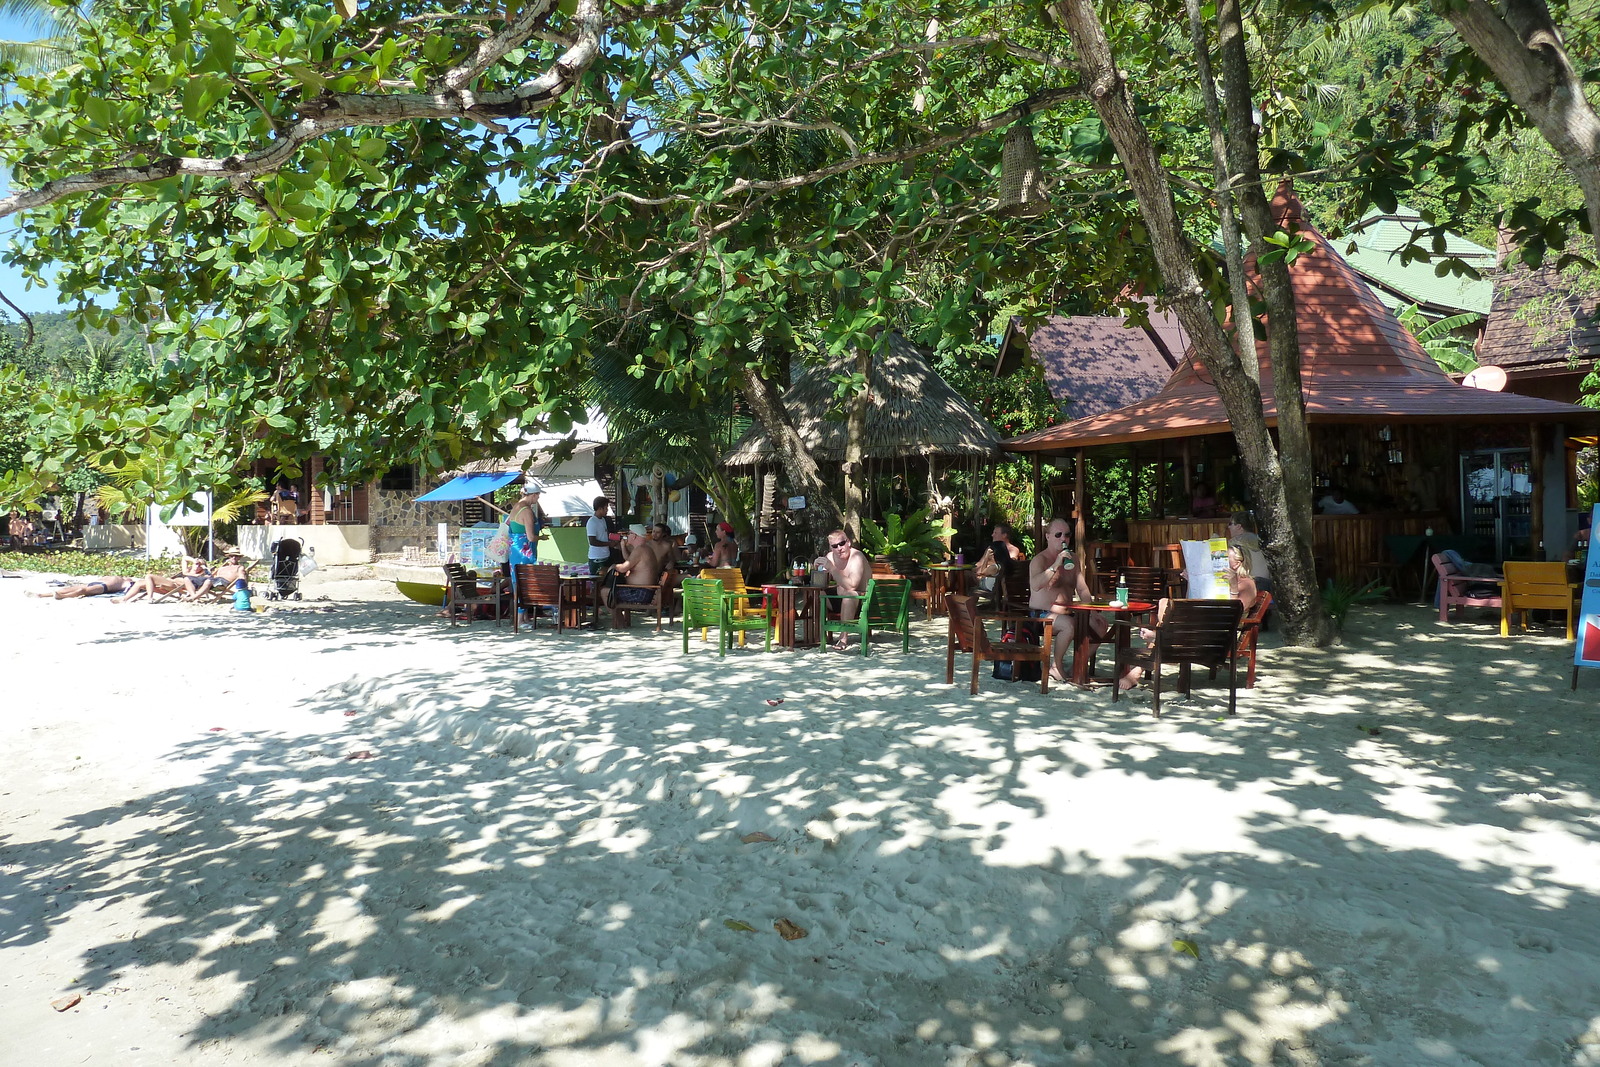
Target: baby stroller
x: 285, y: 576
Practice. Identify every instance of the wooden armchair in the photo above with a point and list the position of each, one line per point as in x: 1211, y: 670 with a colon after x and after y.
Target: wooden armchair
x: 732, y: 579
x: 968, y: 635
x: 886, y: 605
x: 1457, y: 590
x: 535, y: 586
x: 1249, y: 635
x: 708, y: 606
x: 1146, y: 585
x: 462, y: 594
x: 662, y: 599
x: 1192, y: 631
x: 1536, y: 587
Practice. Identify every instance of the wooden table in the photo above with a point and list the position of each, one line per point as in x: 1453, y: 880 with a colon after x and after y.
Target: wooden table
x: 578, y: 591
x: 947, y: 578
x: 1082, y: 663
x: 788, y: 606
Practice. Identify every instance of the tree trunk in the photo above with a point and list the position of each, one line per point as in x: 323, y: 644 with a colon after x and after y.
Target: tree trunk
x: 1233, y: 253
x: 1304, y: 622
x: 1297, y: 600
x: 1525, y: 50
x: 767, y: 405
x: 855, y: 436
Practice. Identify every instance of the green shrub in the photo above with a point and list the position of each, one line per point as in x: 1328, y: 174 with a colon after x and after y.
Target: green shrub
x: 69, y: 561
x: 913, y: 537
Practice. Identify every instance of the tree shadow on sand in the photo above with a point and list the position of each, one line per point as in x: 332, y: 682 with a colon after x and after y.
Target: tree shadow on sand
x: 541, y: 863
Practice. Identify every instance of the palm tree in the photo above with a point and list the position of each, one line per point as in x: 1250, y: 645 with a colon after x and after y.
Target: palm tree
x: 54, y: 31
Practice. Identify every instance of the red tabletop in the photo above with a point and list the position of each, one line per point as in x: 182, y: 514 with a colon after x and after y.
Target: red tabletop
x: 1082, y: 664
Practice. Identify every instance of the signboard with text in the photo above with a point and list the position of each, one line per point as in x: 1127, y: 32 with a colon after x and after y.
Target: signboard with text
x: 1587, y: 654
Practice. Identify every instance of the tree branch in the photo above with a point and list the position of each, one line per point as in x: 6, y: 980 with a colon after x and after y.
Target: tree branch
x: 335, y: 111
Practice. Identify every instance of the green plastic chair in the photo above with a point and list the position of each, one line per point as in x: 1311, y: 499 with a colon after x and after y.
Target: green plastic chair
x: 885, y: 606
x: 707, y: 606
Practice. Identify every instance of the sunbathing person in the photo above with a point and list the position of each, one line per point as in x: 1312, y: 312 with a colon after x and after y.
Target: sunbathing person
x: 154, y: 587
x: 197, y: 576
x: 232, y: 571
x: 93, y: 587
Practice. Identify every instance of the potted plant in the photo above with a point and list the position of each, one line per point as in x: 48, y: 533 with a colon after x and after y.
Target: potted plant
x: 908, y: 542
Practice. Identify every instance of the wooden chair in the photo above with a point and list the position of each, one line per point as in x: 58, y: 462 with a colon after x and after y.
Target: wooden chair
x: 1250, y: 635
x: 968, y: 635
x: 1194, y: 631
x: 661, y: 601
x: 882, y: 568
x: 1536, y: 587
x: 732, y: 579
x: 462, y: 594
x: 707, y: 606
x: 536, y: 585
x: 886, y: 605
x: 1147, y: 585
x: 1457, y: 590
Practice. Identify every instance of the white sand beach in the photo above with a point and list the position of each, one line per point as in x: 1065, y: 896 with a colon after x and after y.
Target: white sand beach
x: 1389, y: 857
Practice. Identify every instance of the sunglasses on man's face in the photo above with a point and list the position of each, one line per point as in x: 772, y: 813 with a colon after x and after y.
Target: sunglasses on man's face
x: 1059, y: 533
x: 838, y: 544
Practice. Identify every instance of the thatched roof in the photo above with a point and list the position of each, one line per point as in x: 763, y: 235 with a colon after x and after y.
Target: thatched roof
x: 914, y: 413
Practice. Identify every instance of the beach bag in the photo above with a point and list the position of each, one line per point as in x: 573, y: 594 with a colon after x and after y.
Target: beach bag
x: 497, y: 549
x: 1009, y: 670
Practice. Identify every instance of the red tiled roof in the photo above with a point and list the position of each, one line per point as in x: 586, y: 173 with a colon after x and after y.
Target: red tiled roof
x: 1095, y: 363
x: 1358, y: 364
x: 1566, y: 329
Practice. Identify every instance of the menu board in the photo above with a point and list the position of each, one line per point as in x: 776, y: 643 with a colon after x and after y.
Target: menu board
x: 1587, y: 654
x: 1207, y: 565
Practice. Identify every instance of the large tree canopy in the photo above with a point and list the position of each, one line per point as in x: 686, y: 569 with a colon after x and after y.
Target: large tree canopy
x: 380, y: 230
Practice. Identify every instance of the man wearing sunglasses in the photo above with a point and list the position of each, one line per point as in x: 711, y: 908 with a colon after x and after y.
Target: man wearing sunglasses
x: 1054, y: 579
x: 850, y: 570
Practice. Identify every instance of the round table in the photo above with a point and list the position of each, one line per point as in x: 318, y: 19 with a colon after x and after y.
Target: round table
x: 947, y: 578
x: 787, y: 606
x: 1124, y: 613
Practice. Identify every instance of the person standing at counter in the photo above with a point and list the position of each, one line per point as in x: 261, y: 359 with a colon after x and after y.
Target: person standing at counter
x: 1335, y: 503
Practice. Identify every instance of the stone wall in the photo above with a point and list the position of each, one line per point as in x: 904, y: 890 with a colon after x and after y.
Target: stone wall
x: 396, y: 520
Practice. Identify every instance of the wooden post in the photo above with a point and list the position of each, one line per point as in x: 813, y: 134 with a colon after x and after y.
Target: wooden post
x: 1536, y: 504
x: 1079, y: 482
x: 1038, y: 520
x: 1188, y: 478
x: 1133, y: 511
x: 1161, y: 479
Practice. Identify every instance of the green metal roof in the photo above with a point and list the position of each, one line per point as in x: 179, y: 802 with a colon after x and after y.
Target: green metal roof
x: 1378, y: 239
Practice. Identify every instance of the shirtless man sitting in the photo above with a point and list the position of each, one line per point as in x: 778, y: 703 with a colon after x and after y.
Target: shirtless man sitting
x: 233, y: 570
x: 850, y: 570
x: 1054, y: 579
x: 641, y: 570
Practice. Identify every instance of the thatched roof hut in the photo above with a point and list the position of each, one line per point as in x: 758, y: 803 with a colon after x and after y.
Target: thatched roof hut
x: 914, y: 413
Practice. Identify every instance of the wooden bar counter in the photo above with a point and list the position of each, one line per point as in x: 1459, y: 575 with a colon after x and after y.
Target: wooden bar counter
x: 1343, y: 544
